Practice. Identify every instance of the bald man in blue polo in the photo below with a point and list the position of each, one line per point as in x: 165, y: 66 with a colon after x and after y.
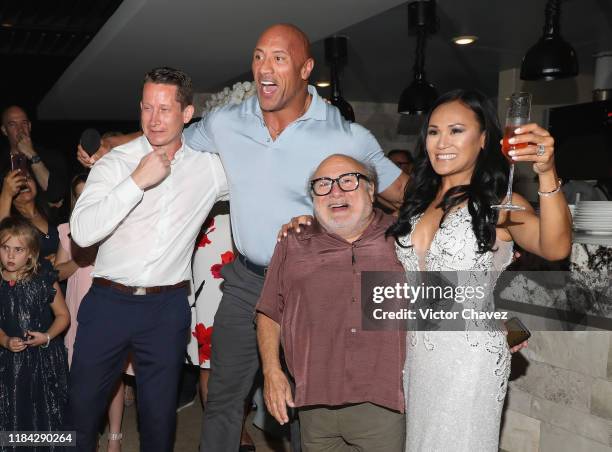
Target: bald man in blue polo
x: 269, y: 145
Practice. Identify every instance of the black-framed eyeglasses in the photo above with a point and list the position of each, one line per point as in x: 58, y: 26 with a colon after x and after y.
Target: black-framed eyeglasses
x: 322, y: 186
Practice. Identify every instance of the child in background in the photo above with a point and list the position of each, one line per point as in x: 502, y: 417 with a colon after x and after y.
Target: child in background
x: 76, y: 264
x: 33, y: 314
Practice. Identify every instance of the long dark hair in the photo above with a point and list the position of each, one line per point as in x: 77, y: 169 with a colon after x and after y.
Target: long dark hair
x: 39, y: 202
x: 487, y: 185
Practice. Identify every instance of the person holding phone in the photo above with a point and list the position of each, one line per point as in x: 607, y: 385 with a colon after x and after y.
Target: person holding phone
x: 47, y: 167
x: 20, y: 197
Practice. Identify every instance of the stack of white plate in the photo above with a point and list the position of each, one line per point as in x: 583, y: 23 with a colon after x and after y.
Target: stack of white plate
x: 593, y: 217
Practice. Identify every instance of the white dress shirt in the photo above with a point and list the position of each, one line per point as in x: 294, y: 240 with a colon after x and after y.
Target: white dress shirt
x: 146, y: 237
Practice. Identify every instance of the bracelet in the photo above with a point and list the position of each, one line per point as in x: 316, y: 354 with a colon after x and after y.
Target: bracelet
x: 550, y: 193
x: 35, y: 159
x: 48, y: 341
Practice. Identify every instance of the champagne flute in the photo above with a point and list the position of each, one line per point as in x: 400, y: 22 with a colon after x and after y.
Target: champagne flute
x: 517, y: 115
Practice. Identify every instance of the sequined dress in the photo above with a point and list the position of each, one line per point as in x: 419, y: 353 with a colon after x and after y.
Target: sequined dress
x: 455, y: 381
x: 33, y: 383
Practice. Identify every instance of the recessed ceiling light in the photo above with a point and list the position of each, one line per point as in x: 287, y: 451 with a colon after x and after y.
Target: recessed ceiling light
x: 323, y: 84
x: 464, y: 40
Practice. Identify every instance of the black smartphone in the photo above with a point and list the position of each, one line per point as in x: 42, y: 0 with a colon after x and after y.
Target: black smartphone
x: 517, y: 332
x: 19, y: 161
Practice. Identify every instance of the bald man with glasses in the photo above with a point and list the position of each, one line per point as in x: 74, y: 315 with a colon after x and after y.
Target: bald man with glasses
x: 348, y: 381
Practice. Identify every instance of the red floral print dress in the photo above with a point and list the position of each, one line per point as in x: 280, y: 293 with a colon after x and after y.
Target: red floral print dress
x: 213, y: 251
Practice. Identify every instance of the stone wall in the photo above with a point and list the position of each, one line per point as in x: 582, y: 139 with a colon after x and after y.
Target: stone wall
x: 562, y: 401
x: 389, y: 127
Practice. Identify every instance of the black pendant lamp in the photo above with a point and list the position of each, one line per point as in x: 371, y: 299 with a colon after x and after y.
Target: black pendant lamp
x: 420, y: 94
x: 336, y: 56
x: 552, y: 57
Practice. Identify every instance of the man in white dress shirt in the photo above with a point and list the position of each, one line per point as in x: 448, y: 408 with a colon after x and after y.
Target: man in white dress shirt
x: 141, y: 204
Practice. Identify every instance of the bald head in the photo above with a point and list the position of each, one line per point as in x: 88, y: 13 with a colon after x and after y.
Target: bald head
x: 281, y: 66
x: 347, y: 209
x: 298, y: 42
x: 346, y: 163
x: 15, y: 124
x: 13, y: 110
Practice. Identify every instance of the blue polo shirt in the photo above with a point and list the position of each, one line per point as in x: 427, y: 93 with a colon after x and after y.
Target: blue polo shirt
x: 268, y: 180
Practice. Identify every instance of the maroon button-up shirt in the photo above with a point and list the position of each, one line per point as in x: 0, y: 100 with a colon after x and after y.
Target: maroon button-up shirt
x: 313, y: 290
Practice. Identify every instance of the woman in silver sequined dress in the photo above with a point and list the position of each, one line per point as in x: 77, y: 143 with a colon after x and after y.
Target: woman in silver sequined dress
x: 455, y: 381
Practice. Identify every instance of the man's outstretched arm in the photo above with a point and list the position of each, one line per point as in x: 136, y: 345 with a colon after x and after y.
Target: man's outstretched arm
x: 106, y: 144
x: 393, y: 195
x: 277, y: 391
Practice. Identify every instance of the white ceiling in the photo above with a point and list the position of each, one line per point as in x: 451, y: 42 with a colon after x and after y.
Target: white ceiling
x: 381, y: 53
x: 213, y: 40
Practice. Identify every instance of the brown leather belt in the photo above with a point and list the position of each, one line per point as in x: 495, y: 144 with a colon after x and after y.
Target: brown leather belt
x: 133, y: 290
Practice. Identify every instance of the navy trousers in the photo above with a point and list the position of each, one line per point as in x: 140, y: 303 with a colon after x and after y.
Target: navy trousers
x: 155, y: 329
